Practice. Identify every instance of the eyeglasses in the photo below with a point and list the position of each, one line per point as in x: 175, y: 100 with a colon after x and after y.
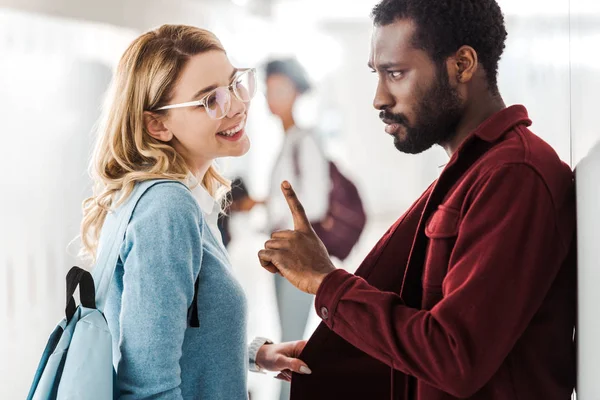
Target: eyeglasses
x: 217, y: 102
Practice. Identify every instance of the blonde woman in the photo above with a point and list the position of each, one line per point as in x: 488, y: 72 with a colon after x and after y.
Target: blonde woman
x: 177, y: 104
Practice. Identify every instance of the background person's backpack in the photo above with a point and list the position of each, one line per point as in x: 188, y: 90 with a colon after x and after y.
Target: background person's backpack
x: 77, y: 361
x: 345, y: 218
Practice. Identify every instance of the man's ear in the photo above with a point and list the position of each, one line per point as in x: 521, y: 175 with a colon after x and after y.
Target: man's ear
x: 463, y: 65
x: 156, y: 127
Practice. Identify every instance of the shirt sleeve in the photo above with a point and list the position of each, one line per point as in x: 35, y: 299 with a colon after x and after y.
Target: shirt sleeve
x: 507, y: 255
x: 162, y: 256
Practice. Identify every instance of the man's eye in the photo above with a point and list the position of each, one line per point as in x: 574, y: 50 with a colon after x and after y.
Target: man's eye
x: 396, y: 74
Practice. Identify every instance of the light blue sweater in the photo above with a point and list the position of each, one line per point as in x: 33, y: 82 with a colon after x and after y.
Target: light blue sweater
x: 156, y: 353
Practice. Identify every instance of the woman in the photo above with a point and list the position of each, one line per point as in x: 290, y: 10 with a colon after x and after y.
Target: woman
x: 177, y: 105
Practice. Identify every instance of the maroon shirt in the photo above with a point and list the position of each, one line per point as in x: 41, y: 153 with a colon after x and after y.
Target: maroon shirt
x: 470, y: 295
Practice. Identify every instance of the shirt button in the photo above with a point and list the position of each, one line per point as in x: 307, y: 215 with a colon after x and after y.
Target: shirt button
x: 324, y: 312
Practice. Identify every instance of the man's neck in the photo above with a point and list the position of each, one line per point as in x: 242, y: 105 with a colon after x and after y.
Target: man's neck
x: 288, y: 123
x: 477, y: 112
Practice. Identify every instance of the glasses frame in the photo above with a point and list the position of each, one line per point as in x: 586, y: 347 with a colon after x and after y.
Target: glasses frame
x: 229, y: 89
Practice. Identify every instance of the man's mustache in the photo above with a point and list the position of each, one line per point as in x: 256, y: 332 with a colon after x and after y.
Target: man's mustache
x: 387, y: 116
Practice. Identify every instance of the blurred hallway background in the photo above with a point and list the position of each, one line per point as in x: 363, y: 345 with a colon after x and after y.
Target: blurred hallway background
x: 56, y: 60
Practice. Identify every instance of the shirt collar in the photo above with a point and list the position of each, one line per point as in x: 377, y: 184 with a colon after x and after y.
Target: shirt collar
x: 493, y: 128
x: 501, y: 122
x: 207, y: 203
x: 295, y: 131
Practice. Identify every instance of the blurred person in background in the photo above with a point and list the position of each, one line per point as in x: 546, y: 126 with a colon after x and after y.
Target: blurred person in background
x: 176, y: 313
x: 471, y: 294
x: 242, y: 226
x: 240, y: 201
x: 301, y: 161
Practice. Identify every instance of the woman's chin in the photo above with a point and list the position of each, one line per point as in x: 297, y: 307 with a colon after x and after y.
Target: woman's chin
x: 238, y: 148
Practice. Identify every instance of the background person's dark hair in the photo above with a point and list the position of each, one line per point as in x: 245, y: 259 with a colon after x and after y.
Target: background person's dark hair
x: 238, y: 192
x: 238, y: 189
x: 291, y: 68
x: 443, y: 26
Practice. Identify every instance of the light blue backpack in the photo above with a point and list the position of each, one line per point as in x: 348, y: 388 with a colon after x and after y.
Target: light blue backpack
x: 77, y: 361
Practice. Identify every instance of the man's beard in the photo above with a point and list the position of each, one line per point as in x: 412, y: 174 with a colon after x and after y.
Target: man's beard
x: 437, y: 117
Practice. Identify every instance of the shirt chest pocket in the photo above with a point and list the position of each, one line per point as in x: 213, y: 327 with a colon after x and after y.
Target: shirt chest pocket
x: 441, y: 230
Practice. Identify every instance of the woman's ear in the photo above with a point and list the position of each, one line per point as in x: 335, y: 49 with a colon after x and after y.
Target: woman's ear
x: 156, y: 127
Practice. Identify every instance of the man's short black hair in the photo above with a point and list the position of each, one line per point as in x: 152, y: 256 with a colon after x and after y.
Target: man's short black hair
x: 443, y: 26
x: 291, y: 68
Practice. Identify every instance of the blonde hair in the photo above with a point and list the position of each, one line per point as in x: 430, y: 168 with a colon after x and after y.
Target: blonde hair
x: 125, y: 153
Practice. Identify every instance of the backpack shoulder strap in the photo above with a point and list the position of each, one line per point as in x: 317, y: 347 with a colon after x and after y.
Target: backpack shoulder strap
x: 296, y: 159
x: 112, y: 236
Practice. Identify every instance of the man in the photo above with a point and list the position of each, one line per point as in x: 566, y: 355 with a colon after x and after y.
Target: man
x: 471, y: 293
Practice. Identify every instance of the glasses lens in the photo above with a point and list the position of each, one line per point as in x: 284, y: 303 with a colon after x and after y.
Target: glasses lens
x: 217, y: 103
x: 245, y: 85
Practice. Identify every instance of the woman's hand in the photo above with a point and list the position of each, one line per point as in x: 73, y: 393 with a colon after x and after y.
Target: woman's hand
x: 282, y: 358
